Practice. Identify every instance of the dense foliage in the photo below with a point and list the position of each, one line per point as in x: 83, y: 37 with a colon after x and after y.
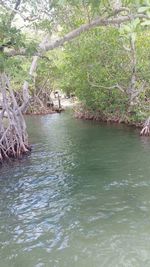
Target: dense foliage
x: 97, y: 67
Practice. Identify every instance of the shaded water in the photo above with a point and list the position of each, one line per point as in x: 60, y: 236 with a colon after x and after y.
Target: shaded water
x: 82, y: 199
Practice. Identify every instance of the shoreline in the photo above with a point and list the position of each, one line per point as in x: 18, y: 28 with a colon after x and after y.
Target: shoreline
x: 99, y: 117
x: 85, y: 114
x: 65, y: 103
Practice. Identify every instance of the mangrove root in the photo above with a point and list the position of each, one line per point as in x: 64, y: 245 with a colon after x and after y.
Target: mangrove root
x: 13, y: 134
x: 146, y: 128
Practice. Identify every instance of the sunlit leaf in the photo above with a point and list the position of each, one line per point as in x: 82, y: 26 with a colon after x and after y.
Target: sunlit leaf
x: 143, y: 9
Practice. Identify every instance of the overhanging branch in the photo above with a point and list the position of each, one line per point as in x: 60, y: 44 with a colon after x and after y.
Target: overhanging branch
x: 88, y: 26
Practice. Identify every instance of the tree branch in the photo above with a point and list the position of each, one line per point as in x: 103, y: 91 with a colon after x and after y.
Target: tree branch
x: 88, y: 26
x: 16, y: 11
x: 116, y: 86
x: 18, y: 2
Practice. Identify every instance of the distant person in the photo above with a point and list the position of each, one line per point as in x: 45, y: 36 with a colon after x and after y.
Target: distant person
x: 56, y: 94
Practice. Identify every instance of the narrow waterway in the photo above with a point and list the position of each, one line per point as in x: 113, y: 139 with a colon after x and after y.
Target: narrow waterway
x: 81, y: 199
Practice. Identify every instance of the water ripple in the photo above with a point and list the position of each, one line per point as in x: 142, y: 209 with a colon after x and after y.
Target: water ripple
x: 81, y: 199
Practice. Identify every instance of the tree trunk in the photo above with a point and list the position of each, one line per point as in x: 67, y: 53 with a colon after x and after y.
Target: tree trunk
x: 132, y: 91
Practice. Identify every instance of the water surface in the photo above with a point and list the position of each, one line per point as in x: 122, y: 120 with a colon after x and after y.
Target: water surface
x: 82, y: 199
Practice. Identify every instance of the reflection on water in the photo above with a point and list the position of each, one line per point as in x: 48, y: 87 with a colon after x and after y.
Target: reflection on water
x: 82, y: 198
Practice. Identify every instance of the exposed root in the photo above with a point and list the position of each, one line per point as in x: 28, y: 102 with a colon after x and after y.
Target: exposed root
x: 13, y: 134
x: 146, y: 128
x: 145, y: 131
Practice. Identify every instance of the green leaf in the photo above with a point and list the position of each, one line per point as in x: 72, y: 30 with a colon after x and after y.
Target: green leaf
x: 136, y: 22
x: 143, y: 9
x: 127, y: 28
x: 148, y: 13
x: 145, y: 23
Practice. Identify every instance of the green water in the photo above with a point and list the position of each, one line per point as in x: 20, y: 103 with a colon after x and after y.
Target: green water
x: 82, y: 199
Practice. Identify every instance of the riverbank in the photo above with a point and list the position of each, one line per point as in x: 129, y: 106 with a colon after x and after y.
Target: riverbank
x: 44, y: 110
x: 80, y: 112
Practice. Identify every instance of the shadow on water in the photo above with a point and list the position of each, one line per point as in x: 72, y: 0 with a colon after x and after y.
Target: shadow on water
x: 81, y: 199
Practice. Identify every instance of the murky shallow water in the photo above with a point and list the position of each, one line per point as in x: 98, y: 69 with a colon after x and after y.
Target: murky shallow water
x: 82, y: 199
